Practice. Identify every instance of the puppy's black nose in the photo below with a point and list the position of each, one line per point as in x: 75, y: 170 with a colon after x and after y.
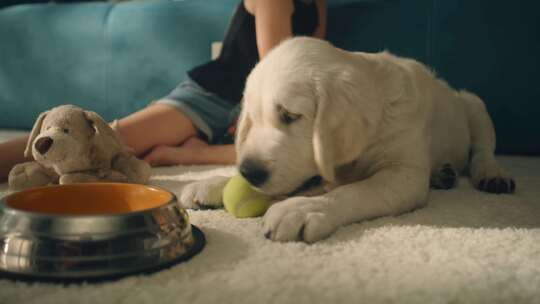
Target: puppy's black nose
x: 43, y: 144
x: 253, y: 171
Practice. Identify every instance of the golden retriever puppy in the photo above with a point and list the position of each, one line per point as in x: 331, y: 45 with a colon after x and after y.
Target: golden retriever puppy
x: 378, y: 129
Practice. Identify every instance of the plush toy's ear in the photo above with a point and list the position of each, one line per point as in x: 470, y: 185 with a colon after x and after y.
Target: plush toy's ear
x: 98, y: 125
x: 34, y: 133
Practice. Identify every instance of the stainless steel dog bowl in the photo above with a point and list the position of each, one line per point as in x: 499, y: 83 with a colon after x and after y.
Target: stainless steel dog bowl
x: 93, y: 231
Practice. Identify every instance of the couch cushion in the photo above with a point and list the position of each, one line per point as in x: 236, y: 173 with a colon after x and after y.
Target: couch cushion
x: 492, y: 48
x: 110, y: 58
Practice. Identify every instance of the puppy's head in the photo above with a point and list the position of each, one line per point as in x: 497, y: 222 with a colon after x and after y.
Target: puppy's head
x: 307, y: 109
x: 61, y: 134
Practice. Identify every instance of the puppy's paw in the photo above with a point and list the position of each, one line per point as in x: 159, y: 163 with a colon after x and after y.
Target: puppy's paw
x: 299, y: 219
x: 487, y: 175
x: 445, y: 177
x: 497, y: 184
x: 207, y: 193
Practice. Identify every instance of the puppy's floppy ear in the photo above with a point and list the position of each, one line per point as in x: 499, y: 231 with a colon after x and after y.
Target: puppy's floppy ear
x: 34, y: 133
x: 346, y: 116
x: 242, y: 128
x: 322, y: 134
x: 98, y: 125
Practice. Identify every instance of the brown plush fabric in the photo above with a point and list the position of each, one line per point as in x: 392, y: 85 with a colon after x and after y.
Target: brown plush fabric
x: 71, y: 145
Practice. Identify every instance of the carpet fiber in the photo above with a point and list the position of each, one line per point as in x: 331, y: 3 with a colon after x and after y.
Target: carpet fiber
x: 465, y: 247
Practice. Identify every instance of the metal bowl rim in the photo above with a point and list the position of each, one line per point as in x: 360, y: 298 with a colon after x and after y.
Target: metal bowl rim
x: 13, y: 211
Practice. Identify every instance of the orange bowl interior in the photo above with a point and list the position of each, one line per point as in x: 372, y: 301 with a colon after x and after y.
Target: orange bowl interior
x: 89, y: 198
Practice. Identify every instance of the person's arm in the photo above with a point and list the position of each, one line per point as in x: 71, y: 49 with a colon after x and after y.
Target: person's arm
x: 320, y: 31
x: 270, y: 27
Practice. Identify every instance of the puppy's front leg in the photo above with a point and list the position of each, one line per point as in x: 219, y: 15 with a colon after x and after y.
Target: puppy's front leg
x: 206, y: 193
x: 390, y: 191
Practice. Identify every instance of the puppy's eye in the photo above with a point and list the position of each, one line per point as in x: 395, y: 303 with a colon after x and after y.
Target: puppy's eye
x: 65, y: 131
x: 287, y: 117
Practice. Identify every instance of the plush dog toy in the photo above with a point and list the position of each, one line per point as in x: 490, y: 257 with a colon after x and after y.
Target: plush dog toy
x: 71, y: 145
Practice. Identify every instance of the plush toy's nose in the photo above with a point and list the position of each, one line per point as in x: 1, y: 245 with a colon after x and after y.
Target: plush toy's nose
x: 43, y: 144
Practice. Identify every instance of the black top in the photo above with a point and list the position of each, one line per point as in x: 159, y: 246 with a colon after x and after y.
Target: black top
x: 225, y: 76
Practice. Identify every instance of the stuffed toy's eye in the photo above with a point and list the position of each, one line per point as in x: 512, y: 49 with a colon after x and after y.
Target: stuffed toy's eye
x: 66, y: 131
x: 287, y: 117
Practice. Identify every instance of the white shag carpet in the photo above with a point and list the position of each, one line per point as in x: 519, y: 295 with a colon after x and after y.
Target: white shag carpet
x: 465, y: 247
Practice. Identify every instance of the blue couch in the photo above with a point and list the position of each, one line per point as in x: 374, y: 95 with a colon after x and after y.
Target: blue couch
x: 116, y: 58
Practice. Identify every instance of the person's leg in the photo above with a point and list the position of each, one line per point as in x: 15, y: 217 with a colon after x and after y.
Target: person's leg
x: 11, y: 153
x: 192, y: 152
x: 155, y: 125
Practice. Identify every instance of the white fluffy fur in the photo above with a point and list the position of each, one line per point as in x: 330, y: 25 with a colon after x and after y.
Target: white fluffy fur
x: 374, y: 126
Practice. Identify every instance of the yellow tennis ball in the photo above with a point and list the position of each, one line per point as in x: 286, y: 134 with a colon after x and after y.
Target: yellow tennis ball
x: 241, y: 200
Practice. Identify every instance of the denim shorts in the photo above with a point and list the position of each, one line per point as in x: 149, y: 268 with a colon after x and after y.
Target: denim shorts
x: 210, y: 114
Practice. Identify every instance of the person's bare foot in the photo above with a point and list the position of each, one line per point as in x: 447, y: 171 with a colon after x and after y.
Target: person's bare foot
x: 186, y: 154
